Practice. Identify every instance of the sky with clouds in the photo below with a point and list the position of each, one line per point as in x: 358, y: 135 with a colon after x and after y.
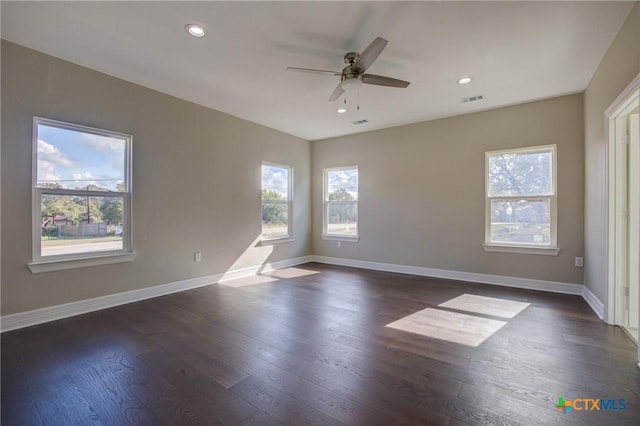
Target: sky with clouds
x: 347, y: 179
x: 76, y: 159
x: 275, y: 179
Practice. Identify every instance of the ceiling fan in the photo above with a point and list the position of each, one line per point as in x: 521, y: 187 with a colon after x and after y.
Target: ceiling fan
x: 353, y: 75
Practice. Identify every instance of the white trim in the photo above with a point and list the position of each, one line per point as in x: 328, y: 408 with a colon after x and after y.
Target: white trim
x: 267, y: 241
x: 623, y: 97
x: 612, y: 230
x: 596, y: 305
x: 67, y: 261
x: 326, y: 202
x: 553, y: 199
x: 52, y: 313
x: 288, y: 202
x: 38, y: 267
x: 630, y: 335
x: 546, y: 251
x: 524, y: 283
x: 339, y: 237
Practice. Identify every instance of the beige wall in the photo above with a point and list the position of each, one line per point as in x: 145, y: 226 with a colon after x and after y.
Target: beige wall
x: 619, y: 66
x: 196, y: 181
x: 422, y: 189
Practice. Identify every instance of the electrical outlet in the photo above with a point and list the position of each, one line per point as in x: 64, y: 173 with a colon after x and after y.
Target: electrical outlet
x: 197, y: 257
x: 338, y: 243
x: 579, y: 262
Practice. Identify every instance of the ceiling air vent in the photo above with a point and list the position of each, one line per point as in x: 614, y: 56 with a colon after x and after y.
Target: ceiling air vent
x: 475, y: 98
x: 360, y: 121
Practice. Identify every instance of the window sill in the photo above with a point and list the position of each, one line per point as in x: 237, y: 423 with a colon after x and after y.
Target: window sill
x: 545, y: 251
x: 277, y: 240
x: 334, y: 237
x: 40, y: 266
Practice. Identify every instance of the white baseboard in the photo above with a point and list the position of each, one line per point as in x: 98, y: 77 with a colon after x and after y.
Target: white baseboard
x: 52, y: 313
x: 551, y: 286
x: 524, y: 283
x: 596, y: 305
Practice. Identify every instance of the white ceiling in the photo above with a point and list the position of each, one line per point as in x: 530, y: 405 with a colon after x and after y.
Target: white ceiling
x: 515, y: 52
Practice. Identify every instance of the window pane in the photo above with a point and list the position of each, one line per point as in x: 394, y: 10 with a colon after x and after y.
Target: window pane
x: 521, y: 221
x: 80, y: 224
x: 74, y: 159
x: 275, y: 183
x: 342, y: 218
x: 521, y: 174
x: 275, y: 219
x: 342, y: 185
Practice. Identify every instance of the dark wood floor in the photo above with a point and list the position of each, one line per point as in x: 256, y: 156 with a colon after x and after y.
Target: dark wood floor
x: 313, y: 349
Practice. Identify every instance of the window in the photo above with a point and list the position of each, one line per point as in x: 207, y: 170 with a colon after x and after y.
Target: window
x: 81, y: 196
x: 277, y: 197
x: 521, y: 200
x: 340, y: 213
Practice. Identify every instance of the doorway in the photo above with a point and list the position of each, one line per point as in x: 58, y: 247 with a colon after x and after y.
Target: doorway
x: 622, y: 119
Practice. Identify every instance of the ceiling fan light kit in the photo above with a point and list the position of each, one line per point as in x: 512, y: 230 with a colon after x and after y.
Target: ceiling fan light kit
x: 352, y: 82
x: 353, y: 75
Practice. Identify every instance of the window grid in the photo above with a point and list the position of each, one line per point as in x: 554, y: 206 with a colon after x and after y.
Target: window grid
x: 74, y: 236
x: 530, y: 208
x: 277, y: 201
x: 340, y: 202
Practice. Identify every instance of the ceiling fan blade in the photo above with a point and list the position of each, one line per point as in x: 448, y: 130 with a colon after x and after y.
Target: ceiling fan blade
x: 380, y: 80
x: 370, y: 54
x: 310, y: 70
x: 336, y: 93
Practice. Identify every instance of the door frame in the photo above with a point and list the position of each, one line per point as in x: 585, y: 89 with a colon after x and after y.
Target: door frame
x: 616, y: 183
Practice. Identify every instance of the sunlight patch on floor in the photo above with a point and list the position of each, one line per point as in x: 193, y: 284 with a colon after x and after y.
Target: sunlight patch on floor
x: 267, y: 277
x: 247, y: 281
x: 484, y: 305
x: 454, y: 327
x: 291, y: 273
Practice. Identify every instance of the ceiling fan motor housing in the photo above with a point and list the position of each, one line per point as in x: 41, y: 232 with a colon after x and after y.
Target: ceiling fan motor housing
x: 351, y: 57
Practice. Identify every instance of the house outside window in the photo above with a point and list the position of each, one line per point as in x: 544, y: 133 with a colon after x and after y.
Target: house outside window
x: 521, y: 200
x: 81, y: 196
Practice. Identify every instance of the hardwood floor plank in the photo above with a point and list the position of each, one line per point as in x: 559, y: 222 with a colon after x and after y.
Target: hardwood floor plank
x: 56, y: 396
x: 17, y: 408
x: 199, y: 388
x: 279, y: 405
x: 222, y: 373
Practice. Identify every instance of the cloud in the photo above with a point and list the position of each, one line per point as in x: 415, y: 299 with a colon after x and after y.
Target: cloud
x: 49, y: 158
x: 82, y: 180
x: 103, y: 143
x: 47, y: 171
x: 275, y: 179
x: 52, y: 155
x: 341, y: 179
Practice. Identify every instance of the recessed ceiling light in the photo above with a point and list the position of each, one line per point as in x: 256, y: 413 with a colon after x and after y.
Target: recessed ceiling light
x: 464, y: 80
x: 196, y: 30
x: 342, y: 110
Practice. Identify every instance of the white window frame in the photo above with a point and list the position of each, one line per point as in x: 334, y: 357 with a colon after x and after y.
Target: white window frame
x: 289, y: 203
x: 326, y: 203
x: 41, y: 263
x: 550, y: 249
